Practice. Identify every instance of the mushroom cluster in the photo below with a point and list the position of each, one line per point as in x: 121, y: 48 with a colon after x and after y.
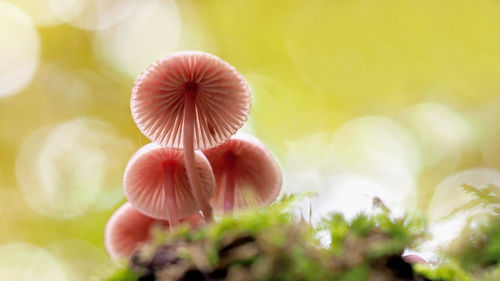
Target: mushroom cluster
x: 190, y: 105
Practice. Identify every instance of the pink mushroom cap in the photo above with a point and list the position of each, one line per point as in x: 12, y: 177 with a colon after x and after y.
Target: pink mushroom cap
x: 128, y: 229
x: 156, y: 183
x: 222, y: 100
x: 414, y: 259
x: 257, y: 177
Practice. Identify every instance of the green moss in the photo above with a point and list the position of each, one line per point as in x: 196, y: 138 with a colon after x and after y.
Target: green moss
x: 360, y: 273
x: 477, y: 250
x: 480, y: 246
x: 271, y: 245
x: 445, y: 272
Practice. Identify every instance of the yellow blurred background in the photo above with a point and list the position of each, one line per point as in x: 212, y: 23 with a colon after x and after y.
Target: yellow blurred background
x: 356, y: 98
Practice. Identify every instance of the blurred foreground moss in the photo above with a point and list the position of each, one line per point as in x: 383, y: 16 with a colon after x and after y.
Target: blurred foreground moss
x: 271, y: 244
x: 476, y: 254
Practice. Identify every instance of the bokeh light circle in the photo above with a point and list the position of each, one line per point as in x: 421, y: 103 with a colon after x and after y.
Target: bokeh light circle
x: 40, y: 11
x: 64, y: 92
x: 19, y: 51
x: 450, y: 194
x: 452, y: 207
x: 351, y: 195
x: 92, y: 14
x: 66, y: 169
x: 150, y: 32
x: 485, y: 118
x: 303, y: 164
x: 27, y: 170
x: 378, y: 147
x: 26, y: 262
x: 441, y: 132
x: 85, y: 156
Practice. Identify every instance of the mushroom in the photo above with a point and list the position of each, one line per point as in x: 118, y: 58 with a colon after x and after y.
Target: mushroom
x: 155, y: 182
x: 128, y: 229
x: 414, y: 259
x: 246, y: 174
x: 196, y: 94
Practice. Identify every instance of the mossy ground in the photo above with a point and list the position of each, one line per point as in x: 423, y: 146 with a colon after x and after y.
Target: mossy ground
x: 271, y: 244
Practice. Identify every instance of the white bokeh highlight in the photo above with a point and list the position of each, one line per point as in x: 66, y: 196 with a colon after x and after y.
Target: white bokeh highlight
x: 39, y: 11
x: 92, y: 14
x: 305, y: 164
x: 484, y: 119
x: 450, y: 195
x: 447, y: 218
x: 150, y: 32
x: 367, y: 158
x: 70, y: 168
x: 378, y: 147
x: 350, y: 194
x: 19, y: 54
x: 441, y: 132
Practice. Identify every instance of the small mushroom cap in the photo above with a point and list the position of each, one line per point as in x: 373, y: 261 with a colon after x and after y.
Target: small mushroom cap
x: 144, y: 181
x: 222, y: 99
x: 257, y: 175
x: 128, y: 229
x: 414, y: 259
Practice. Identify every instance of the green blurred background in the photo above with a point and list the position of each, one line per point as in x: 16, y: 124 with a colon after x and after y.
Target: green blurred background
x: 356, y: 98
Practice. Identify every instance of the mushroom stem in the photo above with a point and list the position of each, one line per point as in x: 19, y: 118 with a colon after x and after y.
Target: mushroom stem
x: 230, y: 184
x: 169, y: 185
x: 188, y: 145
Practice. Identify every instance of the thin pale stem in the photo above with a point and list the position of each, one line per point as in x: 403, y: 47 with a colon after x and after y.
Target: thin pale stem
x: 188, y: 144
x: 230, y: 184
x: 169, y: 185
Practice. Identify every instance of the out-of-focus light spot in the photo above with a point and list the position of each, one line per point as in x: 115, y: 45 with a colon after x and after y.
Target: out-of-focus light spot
x: 151, y: 32
x: 366, y: 158
x: 27, y: 171
x: 26, y: 262
x: 80, y: 259
x: 324, y: 237
x: 66, y: 169
x: 85, y: 155
x: 443, y: 233
x: 452, y: 206
x: 303, y: 166
x: 308, y: 151
x: 196, y: 32
x: 65, y: 94
x: 451, y: 196
x: 440, y: 131
x: 485, y: 119
x: 350, y: 194
x: 302, y: 181
x: 377, y: 147
x: 92, y: 14
x: 40, y: 11
x: 19, y: 51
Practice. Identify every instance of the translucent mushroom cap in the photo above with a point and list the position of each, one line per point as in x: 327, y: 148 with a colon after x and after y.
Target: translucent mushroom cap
x: 257, y: 175
x: 128, y: 229
x: 144, y: 181
x: 414, y: 259
x: 222, y: 101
